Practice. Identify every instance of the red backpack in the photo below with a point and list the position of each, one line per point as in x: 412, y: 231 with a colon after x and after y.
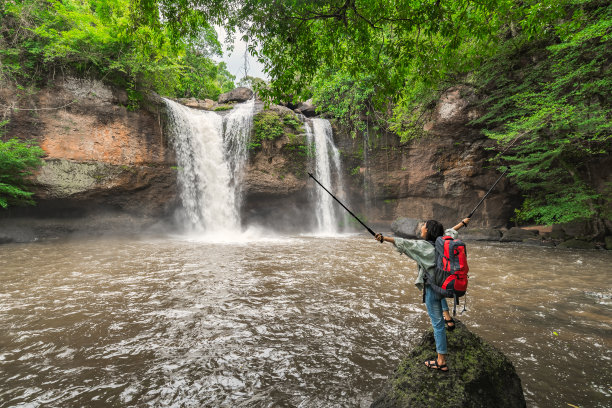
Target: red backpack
x: 451, y: 259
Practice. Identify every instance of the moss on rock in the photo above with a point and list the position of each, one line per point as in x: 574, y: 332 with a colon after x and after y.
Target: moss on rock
x: 479, y: 376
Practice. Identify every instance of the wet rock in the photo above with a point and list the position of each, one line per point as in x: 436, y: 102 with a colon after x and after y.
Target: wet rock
x: 29, y: 229
x: 405, y: 227
x: 240, y: 94
x: 584, y: 229
x: 537, y: 241
x: 307, y: 108
x: 577, y: 244
x: 516, y: 234
x: 557, y: 233
x: 479, y: 376
x: 15, y: 233
x: 481, y: 234
x: 206, y: 104
x: 441, y: 176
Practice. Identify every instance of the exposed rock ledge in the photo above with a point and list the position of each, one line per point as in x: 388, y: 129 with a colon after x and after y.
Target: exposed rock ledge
x: 479, y: 376
x: 575, y: 235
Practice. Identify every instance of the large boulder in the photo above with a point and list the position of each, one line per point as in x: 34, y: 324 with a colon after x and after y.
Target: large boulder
x: 204, y: 104
x: 481, y: 234
x: 575, y: 243
x: 516, y: 234
x: 240, y: 94
x: 585, y: 229
x: 307, y: 108
x: 479, y: 376
x: 608, y: 241
x: 405, y: 227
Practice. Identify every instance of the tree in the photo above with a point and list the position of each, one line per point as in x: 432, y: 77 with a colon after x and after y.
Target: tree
x: 393, y: 41
x: 109, y: 40
x: 551, y: 115
x: 17, y: 160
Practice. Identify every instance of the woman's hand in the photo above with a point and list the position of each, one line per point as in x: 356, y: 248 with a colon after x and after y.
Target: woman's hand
x: 464, y: 222
x: 380, y: 238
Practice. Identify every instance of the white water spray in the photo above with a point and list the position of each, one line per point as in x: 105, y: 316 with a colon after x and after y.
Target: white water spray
x: 328, y: 171
x: 210, y: 165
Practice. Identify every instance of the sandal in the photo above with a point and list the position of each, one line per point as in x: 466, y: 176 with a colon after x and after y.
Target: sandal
x: 433, y: 364
x: 449, y: 323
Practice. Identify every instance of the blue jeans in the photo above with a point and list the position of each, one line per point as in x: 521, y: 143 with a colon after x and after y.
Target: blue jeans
x: 435, y: 306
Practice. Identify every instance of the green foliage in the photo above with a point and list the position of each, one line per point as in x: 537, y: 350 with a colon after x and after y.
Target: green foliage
x: 17, y: 160
x: 108, y: 39
x: 267, y: 125
x: 349, y: 99
x: 270, y: 125
x: 548, y: 102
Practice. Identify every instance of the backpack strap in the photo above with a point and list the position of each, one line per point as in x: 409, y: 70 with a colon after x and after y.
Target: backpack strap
x: 425, y: 278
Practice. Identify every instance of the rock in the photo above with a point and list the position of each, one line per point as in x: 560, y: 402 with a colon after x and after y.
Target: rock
x: 557, y: 233
x: 240, y: 94
x: 516, y: 234
x: 585, y: 229
x: 537, y: 241
x: 479, y: 376
x: 576, y: 228
x: 282, y: 110
x: 481, y: 234
x: 608, y: 241
x: 306, y: 108
x: 92, y: 89
x: 206, y: 104
x: 406, y: 227
x: 577, y: 244
x: 454, y: 109
x: 15, y: 232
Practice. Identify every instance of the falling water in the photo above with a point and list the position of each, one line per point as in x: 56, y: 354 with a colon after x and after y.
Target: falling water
x: 236, y: 136
x: 210, y: 165
x: 327, y: 170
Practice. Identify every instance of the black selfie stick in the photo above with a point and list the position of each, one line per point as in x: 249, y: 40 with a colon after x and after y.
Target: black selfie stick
x: 343, y: 206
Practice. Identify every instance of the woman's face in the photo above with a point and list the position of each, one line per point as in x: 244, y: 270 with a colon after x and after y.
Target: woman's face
x: 423, y: 231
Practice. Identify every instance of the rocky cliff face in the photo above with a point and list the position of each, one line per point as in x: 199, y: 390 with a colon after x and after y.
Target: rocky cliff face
x: 101, y: 157
x: 442, y: 175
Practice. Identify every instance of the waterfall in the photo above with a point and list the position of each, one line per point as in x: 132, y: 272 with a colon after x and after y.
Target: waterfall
x: 327, y: 169
x: 211, y: 154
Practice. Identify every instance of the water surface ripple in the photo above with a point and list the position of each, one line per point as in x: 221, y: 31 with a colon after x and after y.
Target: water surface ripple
x: 296, y: 321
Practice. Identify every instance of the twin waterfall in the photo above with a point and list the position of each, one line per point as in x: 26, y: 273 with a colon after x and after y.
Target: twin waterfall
x: 327, y: 166
x: 211, y: 158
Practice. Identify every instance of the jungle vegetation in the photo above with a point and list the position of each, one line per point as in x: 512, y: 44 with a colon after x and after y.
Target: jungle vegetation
x: 540, y: 68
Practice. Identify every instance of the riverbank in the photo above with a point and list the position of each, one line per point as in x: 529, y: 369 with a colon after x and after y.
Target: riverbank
x: 575, y: 235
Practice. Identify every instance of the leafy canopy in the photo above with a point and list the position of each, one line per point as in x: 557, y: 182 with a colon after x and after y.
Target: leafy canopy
x: 393, y: 41
x: 553, y: 113
x: 107, y: 39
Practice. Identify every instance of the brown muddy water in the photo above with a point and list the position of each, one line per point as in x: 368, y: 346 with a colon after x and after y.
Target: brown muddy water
x: 290, y: 322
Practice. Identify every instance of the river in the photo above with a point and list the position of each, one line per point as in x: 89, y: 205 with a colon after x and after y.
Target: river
x: 280, y: 321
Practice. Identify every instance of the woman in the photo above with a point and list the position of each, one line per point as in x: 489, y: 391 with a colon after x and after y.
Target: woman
x: 423, y: 252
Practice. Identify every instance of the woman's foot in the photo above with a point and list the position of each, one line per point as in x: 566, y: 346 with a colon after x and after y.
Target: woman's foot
x: 433, y: 364
x: 450, y: 324
x: 448, y: 320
